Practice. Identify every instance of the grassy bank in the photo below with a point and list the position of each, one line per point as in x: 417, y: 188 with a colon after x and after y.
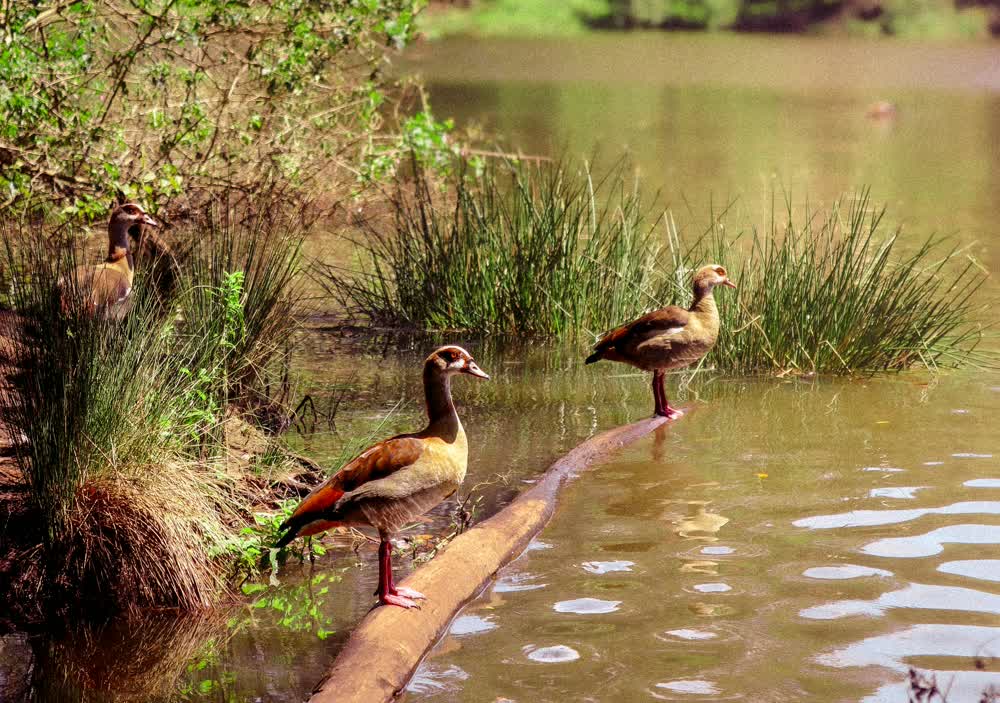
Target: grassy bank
x: 912, y: 19
x: 132, y: 438
x: 554, y: 251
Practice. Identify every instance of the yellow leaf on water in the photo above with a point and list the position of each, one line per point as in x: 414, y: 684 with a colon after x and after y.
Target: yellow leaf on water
x: 761, y: 475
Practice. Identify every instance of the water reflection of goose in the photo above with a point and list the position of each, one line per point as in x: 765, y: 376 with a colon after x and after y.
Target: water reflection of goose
x: 699, y: 523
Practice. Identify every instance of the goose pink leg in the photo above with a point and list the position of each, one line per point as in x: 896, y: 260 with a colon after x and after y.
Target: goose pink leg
x: 662, y: 407
x: 388, y: 593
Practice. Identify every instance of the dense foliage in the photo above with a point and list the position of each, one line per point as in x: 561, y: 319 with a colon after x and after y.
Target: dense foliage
x: 156, y: 97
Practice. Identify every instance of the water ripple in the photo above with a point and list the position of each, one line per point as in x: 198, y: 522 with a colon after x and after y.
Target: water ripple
x: 606, y: 567
x: 471, y: 625
x: 691, y: 686
x: 587, y: 606
x: 915, y: 596
x: 896, y: 492
x: 891, y: 650
x: 933, y: 542
x: 983, y: 483
x: 982, y: 569
x: 434, y: 679
x: 556, y: 654
x: 872, y: 518
x: 844, y: 571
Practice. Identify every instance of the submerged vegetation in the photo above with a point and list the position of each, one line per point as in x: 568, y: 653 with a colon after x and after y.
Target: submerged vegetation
x: 550, y: 250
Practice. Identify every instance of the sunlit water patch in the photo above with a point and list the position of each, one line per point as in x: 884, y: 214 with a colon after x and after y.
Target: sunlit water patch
x: 607, y: 567
x: 915, y: 596
x: 844, y: 572
x: 933, y: 542
x: 556, y: 654
x: 587, y: 606
x: 871, y: 518
x: 981, y: 569
x: 471, y: 625
x: 983, y: 483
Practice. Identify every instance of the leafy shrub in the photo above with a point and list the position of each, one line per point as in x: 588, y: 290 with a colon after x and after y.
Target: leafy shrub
x: 158, y: 97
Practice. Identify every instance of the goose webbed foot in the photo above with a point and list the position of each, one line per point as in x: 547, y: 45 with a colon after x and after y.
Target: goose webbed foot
x: 401, y: 601
x: 408, y: 593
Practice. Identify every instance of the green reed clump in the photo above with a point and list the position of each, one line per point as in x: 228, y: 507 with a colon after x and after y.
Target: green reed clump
x: 548, y: 250
x: 240, y: 301
x: 834, y: 293
x: 545, y: 250
x: 119, y: 426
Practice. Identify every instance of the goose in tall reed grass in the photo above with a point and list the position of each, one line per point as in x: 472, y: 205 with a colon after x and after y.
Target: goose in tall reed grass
x: 103, y: 289
x: 668, y: 338
x: 398, y: 479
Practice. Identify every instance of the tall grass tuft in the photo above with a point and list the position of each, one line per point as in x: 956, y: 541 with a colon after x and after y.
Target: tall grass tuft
x: 120, y: 425
x: 833, y: 292
x: 549, y: 250
x: 517, y: 249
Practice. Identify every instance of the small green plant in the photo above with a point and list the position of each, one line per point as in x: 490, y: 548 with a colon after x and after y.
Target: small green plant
x: 298, y: 608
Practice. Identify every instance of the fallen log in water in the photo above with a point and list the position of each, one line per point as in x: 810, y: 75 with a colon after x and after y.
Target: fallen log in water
x: 388, y: 644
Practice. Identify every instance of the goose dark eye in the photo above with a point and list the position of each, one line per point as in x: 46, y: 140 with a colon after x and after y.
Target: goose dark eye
x: 721, y: 271
x: 448, y: 356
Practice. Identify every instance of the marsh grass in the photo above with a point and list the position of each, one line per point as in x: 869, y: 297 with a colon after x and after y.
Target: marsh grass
x: 834, y: 292
x: 546, y: 251
x: 122, y: 425
x: 551, y: 250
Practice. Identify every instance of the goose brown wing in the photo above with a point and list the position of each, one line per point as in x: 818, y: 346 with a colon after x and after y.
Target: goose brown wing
x: 671, y: 318
x: 377, y: 462
x: 109, y: 286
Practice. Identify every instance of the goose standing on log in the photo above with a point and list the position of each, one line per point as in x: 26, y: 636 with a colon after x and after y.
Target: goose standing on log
x: 669, y: 338
x: 104, y: 288
x: 398, y: 479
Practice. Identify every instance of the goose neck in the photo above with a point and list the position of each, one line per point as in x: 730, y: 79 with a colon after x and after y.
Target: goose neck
x: 441, y: 414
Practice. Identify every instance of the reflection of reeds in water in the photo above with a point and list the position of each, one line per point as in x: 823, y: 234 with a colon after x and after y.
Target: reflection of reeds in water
x: 127, y: 660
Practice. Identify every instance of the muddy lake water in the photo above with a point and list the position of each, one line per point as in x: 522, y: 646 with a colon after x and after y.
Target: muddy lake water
x: 788, y: 539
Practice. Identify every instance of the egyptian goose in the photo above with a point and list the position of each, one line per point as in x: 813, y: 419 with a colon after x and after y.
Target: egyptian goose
x: 104, y: 288
x: 398, y: 479
x: 669, y: 338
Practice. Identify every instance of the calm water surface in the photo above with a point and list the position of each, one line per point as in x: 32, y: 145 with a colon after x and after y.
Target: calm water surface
x: 790, y: 539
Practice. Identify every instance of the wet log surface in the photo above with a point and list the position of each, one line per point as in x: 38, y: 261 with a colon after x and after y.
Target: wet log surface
x: 389, y: 643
